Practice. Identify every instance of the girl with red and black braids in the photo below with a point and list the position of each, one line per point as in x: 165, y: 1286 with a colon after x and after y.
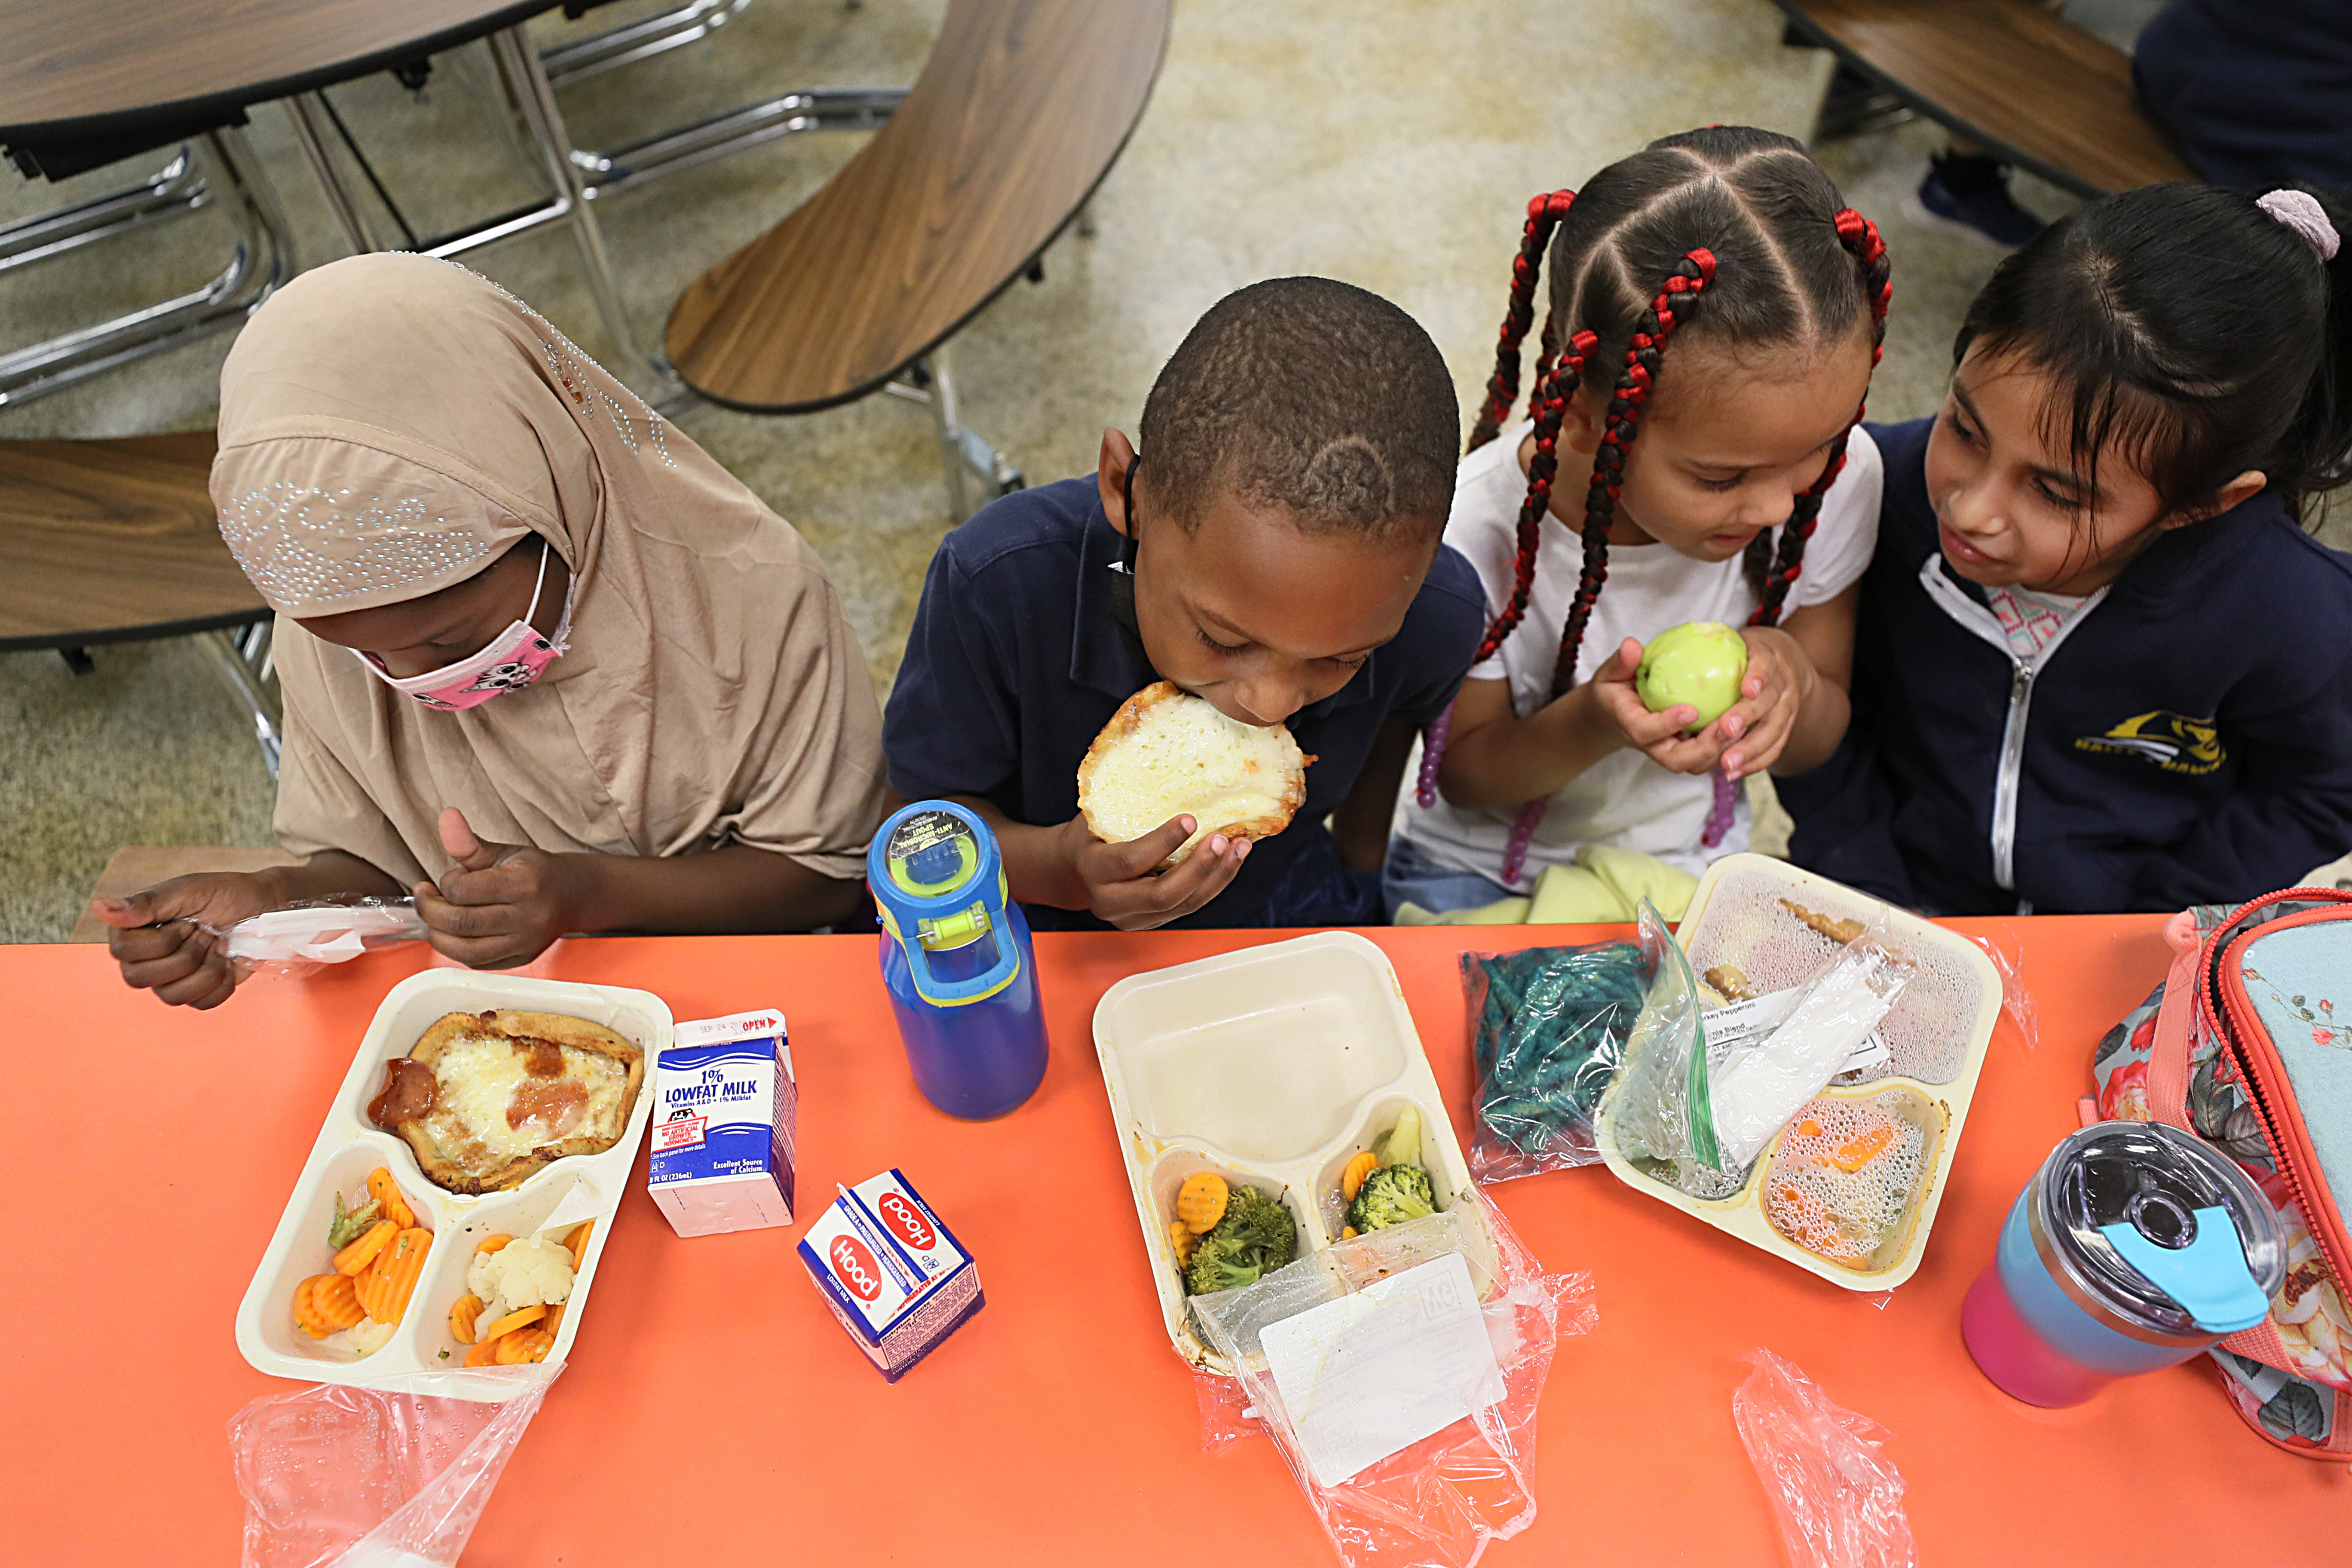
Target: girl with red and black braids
x: 1713, y: 314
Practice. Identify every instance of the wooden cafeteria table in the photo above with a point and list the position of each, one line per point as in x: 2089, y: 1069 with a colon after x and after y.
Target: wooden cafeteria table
x: 714, y: 1412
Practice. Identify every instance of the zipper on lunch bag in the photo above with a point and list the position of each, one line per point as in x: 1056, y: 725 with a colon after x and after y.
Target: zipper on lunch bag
x: 2261, y: 1070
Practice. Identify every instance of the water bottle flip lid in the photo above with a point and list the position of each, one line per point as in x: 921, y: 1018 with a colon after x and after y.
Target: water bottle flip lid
x: 2165, y: 1232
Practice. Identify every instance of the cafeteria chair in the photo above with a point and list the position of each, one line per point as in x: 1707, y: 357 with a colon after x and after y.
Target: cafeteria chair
x: 1017, y: 116
x: 116, y: 540
x: 214, y: 166
x: 2012, y: 74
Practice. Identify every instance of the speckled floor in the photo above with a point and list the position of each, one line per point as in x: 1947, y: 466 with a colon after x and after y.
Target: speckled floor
x: 1389, y: 143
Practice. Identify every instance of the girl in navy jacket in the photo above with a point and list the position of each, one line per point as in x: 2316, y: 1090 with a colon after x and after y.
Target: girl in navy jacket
x: 2099, y: 665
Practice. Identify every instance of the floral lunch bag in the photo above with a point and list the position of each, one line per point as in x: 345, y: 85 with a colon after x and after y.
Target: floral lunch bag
x: 2248, y: 1043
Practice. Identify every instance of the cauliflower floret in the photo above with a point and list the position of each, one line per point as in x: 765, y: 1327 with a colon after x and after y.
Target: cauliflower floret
x: 525, y: 1272
x: 368, y: 1336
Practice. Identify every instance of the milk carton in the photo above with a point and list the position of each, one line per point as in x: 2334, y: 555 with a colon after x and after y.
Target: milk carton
x: 722, y: 1130
x: 897, y: 1279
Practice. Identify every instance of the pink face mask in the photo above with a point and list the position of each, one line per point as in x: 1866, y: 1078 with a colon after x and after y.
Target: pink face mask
x: 511, y: 661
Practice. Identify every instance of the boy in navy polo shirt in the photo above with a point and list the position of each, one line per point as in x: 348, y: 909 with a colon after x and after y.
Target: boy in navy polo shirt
x: 1275, y: 550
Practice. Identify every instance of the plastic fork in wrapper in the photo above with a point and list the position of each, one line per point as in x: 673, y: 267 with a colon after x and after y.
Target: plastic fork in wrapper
x: 298, y: 939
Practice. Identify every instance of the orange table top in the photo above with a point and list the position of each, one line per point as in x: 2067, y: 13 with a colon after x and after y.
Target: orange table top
x: 714, y: 1412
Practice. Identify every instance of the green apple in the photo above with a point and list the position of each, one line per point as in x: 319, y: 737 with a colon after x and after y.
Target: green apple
x: 1699, y: 664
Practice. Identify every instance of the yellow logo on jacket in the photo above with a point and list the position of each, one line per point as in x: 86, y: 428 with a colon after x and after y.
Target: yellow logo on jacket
x: 2173, y: 741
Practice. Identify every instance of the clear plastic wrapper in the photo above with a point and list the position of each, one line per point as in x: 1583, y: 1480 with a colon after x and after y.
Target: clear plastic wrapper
x: 370, y: 1477
x: 300, y: 938
x: 1755, y: 1091
x: 2016, y: 1002
x: 1439, y: 1499
x: 1838, y: 1499
x: 1548, y: 1033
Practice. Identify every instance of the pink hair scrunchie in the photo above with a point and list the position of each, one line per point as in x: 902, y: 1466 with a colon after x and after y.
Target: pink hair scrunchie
x: 2301, y: 211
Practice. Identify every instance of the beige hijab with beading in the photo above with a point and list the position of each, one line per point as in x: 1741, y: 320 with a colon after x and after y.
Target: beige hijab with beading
x: 389, y: 425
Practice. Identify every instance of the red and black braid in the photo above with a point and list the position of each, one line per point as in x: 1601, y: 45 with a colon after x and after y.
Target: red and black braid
x: 1626, y: 402
x: 1544, y: 215
x: 1551, y: 395
x: 1627, y: 399
x: 1860, y: 236
x: 1560, y: 383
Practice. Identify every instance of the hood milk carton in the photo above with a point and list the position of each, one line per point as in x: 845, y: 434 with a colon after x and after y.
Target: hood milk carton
x: 722, y: 1132
x: 898, y: 1279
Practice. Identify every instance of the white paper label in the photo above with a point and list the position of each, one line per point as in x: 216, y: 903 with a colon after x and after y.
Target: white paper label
x: 1733, y: 1029
x: 1371, y: 1375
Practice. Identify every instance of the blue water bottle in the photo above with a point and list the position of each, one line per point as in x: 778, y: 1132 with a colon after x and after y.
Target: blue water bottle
x: 956, y: 957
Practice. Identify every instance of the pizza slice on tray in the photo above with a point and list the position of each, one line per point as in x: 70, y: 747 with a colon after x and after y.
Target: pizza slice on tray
x: 488, y: 1098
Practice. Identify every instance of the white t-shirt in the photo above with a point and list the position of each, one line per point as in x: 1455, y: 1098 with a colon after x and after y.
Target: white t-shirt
x: 1626, y: 801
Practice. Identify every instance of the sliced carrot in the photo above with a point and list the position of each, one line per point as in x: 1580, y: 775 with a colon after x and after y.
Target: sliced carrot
x: 578, y: 1242
x: 408, y: 1263
x: 305, y: 1316
x: 554, y: 1318
x: 1181, y: 1237
x: 1347, y: 1233
x: 520, y: 1318
x: 334, y: 1302
x: 362, y: 1252
x: 369, y: 1286
x: 484, y: 1353
x: 385, y: 1191
x: 536, y: 1341
x: 513, y: 1349
x: 492, y: 1243
x: 1854, y: 1155
x: 464, y: 1312
x: 1351, y: 1176
x: 1200, y: 1201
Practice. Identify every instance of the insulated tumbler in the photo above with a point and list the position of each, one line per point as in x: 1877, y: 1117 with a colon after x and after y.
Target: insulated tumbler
x: 957, y: 961
x: 2135, y: 1246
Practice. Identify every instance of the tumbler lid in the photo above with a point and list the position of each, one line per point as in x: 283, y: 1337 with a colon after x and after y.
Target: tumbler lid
x: 2164, y: 1233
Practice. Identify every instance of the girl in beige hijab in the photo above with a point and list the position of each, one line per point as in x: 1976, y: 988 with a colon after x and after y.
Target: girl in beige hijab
x: 547, y: 665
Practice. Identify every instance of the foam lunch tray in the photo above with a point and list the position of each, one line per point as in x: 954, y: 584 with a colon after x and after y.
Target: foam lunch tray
x: 1937, y: 1031
x: 578, y: 1187
x: 1271, y: 1065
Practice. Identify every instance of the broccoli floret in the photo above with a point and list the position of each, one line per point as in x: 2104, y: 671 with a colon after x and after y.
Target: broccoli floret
x: 1391, y: 1196
x: 1262, y: 1221
x: 1256, y: 1237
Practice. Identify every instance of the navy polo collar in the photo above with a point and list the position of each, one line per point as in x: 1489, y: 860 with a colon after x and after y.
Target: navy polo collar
x: 1106, y: 652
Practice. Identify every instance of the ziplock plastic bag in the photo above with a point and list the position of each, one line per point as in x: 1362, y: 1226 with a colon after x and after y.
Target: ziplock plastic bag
x: 1658, y: 1115
x: 299, y: 938
x: 365, y: 1478
x: 1548, y: 1029
x: 1695, y: 1112
x: 1839, y: 1501
x: 1440, y: 1498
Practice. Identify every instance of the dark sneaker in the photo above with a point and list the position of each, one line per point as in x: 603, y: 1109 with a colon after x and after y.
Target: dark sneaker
x: 1969, y: 199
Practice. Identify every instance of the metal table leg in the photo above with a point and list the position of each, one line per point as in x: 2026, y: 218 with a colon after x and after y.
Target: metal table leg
x: 303, y: 109
x: 241, y: 659
x: 977, y: 473
x: 518, y: 63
